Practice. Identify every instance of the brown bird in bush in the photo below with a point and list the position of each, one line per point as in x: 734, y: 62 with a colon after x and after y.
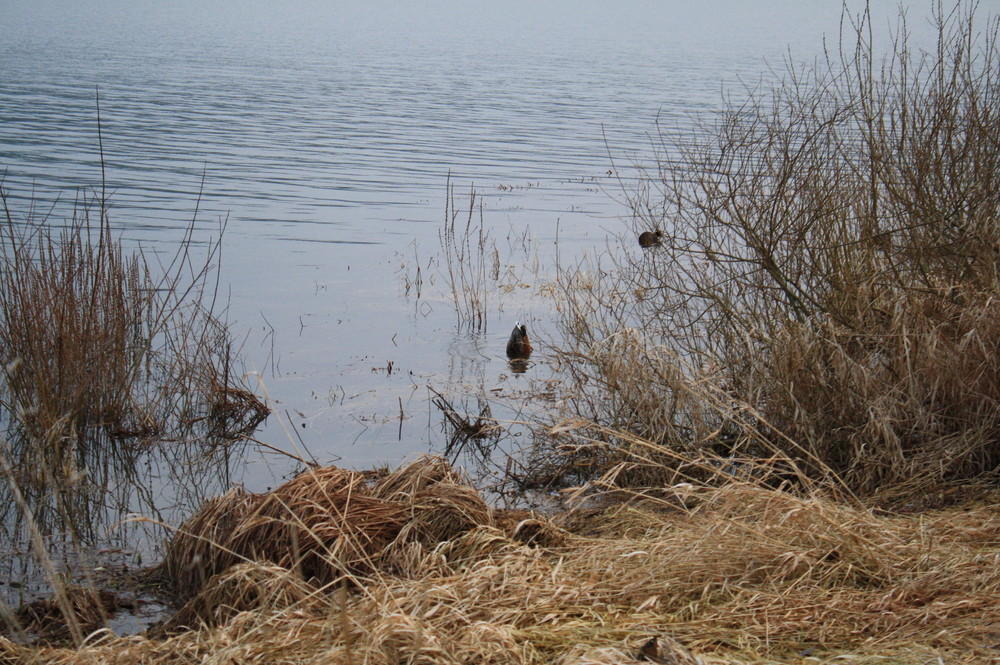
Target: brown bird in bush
x: 518, y: 346
x: 650, y: 238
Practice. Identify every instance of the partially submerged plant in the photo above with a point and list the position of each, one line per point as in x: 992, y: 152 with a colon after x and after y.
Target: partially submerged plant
x: 462, y: 428
x: 103, y: 358
x: 471, y: 260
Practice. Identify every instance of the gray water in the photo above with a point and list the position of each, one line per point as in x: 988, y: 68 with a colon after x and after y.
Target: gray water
x: 325, y: 133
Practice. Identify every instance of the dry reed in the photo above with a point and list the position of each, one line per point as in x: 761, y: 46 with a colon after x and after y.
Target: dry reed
x: 737, y: 377
x: 245, y: 587
x: 105, y: 362
x: 747, y: 575
x: 100, y: 359
x: 471, y: 260
x: 324, y: 524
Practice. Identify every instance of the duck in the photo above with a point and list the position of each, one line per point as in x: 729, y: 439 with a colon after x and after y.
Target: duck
x: 518, y: 346
x: 650, y: 238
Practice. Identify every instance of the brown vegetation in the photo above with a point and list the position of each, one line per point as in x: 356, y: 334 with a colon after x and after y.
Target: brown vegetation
x: 736, y: 574
x: 326, y: 524
x: 813, y: 340
x: 825, y: 289
x: 101, y: 359
x: 71, y: 614
x: 471, y: 260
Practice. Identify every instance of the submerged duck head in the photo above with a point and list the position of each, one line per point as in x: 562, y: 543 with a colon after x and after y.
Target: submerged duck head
x: 518, y: 346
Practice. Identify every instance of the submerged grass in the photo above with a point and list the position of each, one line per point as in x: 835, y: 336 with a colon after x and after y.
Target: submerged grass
x: 471, y: 261
x: 108, y: 368
x: 101, y: 359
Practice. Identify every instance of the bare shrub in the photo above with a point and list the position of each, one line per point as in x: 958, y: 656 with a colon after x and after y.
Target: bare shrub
x: 825, y: 284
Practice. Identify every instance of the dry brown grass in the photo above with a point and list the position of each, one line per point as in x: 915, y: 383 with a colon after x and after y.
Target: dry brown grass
x: 103, y: 356
x: 325, y: 524
x: 742, y: 574
x: 244, y: 587
x: 109, y: 367
x: 813, y: 336
x: 912, y: 401
x: 72, y: 613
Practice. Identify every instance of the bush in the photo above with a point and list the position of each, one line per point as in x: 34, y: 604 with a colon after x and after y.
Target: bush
x: 825, y: 289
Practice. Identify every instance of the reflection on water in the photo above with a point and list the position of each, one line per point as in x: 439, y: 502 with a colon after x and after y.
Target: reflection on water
x: 518, y: 365
x: 75, y: 523
x: 82, y: 531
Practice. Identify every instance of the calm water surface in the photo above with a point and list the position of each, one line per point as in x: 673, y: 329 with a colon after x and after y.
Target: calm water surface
x: 325, y: 134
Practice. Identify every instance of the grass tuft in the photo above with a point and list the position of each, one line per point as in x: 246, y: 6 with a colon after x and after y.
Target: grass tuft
x: 325, y: 524
x: 100, y: 360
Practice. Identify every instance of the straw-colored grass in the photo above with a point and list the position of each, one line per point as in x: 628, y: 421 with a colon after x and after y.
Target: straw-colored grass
x: 813, y: 335
x: 324, y: 524
x: 105, y: 356
x: 243, y: 587
x: 748, y: 575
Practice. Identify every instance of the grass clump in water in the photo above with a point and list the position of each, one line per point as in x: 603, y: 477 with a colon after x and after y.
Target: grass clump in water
x: 100, y: 361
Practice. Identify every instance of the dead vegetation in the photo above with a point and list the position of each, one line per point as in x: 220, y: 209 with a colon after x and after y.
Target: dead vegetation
x: 68, y: 616
x: 811, y: 342
x: 825, y: 288
x: 736, y: 574
x: 103, y: 357
x: 481, y: 432
x: 326, y: 524
x: 471, y: 261
x: 109, y: 368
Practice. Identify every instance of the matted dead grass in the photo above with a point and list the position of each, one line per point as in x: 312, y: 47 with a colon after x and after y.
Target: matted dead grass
x: 324, y: 524
x: 748, y: 575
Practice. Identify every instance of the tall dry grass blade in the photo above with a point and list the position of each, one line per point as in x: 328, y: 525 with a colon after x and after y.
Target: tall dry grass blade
x: 469, y: 251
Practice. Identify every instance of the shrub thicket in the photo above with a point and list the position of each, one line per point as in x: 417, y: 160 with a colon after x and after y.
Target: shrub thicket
x: 825, y: 291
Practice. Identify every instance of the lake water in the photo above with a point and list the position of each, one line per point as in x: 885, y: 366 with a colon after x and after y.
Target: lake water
x: 326, y: 132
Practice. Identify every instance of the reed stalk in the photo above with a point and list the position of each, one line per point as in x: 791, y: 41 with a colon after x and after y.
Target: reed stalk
x: 471, y: 261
